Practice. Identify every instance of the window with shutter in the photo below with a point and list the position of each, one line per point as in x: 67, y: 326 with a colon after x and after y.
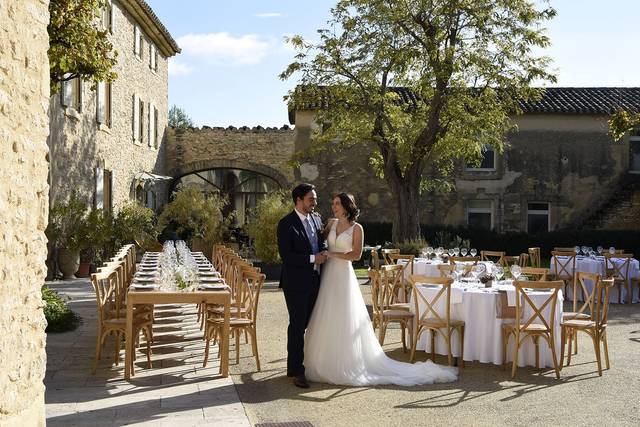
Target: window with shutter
x: 100, y: 99
x: 108, y: 110
x: 141, y: 119
x: 136, y: 118
x: 99, y: 196
x: 155, y: 127
x: 66, y: 92
x: 150, y: 126
x: 137, y: 41
x: 112, y: 20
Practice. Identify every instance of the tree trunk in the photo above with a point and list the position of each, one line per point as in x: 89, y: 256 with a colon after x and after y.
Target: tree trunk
x: 406, y: 218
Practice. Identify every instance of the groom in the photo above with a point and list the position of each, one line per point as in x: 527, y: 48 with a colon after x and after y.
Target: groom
x: 303, y: 250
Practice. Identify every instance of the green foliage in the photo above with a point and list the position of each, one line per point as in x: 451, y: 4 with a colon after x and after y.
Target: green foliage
x: 622, y: 122
x: 179, y: 119
x: 410, y: 246
x: 96, y: 231
x: 448, y: 240
x: 78, y: 46
x: 67, y: 226
x: 263, y: 226
x: 131, y: 222
x: 466, y: 62
x: 195, y: 215
x: 59, y: 317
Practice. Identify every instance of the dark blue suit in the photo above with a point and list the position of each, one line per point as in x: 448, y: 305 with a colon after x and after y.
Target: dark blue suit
x: 299, y: 282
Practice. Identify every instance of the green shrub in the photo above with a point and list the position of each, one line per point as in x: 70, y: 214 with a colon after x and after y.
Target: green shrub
x: 67, y: 224
x: 59, y: 317
x: 409, y: 247
x: 263, y: 226
x: 192, y: 214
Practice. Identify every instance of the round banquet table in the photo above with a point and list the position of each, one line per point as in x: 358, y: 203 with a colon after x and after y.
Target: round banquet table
x: 479, y: 308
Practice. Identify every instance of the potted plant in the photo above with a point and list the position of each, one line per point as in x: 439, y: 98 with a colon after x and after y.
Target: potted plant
x: 262, y: 229
x: 133, y: 224
x: 195, y: 218
x: 96, y: 231
x: 67, y: 222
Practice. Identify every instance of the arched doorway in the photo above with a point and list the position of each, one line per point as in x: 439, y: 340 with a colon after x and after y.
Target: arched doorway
x: 243, y: 188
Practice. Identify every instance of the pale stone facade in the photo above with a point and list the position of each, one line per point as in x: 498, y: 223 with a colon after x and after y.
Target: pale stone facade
x: 89, y: 157
x: 24, y: 96
x: 566, y: 162
x: 265, y: 151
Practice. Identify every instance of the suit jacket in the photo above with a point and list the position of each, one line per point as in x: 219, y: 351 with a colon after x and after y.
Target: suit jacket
x: 295, y: 249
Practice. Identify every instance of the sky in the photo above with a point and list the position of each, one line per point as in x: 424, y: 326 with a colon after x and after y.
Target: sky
x: 233, y: 52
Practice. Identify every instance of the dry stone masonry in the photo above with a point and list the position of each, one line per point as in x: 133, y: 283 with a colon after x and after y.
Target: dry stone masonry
x: 24, y: 126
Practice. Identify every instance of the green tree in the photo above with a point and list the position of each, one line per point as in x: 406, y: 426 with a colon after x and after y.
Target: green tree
x: 622, y: 122
x: 78, y: 45
x: 466, y: 62
x: 178, y: 118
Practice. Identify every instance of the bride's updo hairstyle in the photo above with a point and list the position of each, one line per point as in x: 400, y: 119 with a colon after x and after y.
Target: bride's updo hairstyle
x: 349, y: 204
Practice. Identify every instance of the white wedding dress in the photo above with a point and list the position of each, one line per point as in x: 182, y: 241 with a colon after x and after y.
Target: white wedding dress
x: 341, y: 346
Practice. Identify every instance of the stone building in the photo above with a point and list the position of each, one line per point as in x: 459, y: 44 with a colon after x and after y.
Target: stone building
x: 561, y: 169
x: 107, y: 142
x: 244, y: 164
x: 24, y: 126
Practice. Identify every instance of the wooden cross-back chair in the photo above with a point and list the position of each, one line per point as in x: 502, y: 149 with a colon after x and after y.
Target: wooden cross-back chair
x: 534, y: 326
x: 617, y: 266
x: 407, y: 270
x: 383, y: 297
x: 248, y: 297
x: 534, y: 257
x: 387, y: 252
x: 428, y: 319
x: 564, y: 268
x: 595, y: 326
x: 493, y: 256
x: 536, y: 273
x: 104, y: 286
x: 375, y: 260
x: 464, y: 259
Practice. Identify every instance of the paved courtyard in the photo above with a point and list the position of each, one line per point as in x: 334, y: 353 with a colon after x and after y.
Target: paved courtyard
x: 176, y: 392
x: 179, y: 392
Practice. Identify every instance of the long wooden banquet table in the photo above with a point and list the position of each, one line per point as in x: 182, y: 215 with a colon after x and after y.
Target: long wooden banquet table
x: 137, y: 296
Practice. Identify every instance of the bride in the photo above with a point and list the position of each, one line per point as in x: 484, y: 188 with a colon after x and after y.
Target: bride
x: 340, y: 344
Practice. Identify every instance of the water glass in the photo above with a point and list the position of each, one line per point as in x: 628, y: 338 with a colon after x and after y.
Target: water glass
x: 516, y: 271
x: 599, y: 249
x: 577, y: 249
x: 456, y: 251
x: 473, y: 252
x: 612, y: 250
x: 498, y: 271
x: 463, y: 251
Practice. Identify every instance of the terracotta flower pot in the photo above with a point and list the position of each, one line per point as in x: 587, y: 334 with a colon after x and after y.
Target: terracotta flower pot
x: 68, y: 262
x: 83, y: 270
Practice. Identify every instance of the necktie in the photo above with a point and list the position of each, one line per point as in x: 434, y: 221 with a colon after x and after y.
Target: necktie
x: 311, y: 235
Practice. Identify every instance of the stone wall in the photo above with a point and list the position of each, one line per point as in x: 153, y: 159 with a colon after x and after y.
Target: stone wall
x: 266, y: 151
x: 567, y: 161
x: 24, y: 95
x: 79, y: 145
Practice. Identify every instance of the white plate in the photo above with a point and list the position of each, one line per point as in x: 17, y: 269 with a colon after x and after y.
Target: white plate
x: 144, y: 279
x: 212, y: 287
x: 144, y: 287
x: 209, y: 273
x: 211, y: 280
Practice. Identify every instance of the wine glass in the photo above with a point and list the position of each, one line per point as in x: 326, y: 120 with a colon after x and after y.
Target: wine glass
x: 429, y: 252
x: 439, y: 252
x: 585, y: 250
x: 473, y: 252
x: 498, y: 271
x: 456, y: 251
x: 577, y: 249
x: 599, y: 249
x: 451, y: 252
x: 612, y: 250
x: 463, y: 251
x: 516, y: 271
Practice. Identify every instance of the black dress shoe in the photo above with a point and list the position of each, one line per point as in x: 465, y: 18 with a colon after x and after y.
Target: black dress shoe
x: 300, y: 381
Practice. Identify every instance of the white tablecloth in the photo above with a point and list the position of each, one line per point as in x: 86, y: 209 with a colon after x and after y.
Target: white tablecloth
x: 597, y: 266
x: 478, y: 308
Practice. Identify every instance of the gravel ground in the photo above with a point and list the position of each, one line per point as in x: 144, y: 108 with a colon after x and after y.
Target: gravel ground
x: 484, y: 394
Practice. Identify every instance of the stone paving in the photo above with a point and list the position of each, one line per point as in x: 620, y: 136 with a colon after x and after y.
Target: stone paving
x: 178, y: 391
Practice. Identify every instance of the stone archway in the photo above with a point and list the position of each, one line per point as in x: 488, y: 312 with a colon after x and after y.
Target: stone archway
x: 202, y: 165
